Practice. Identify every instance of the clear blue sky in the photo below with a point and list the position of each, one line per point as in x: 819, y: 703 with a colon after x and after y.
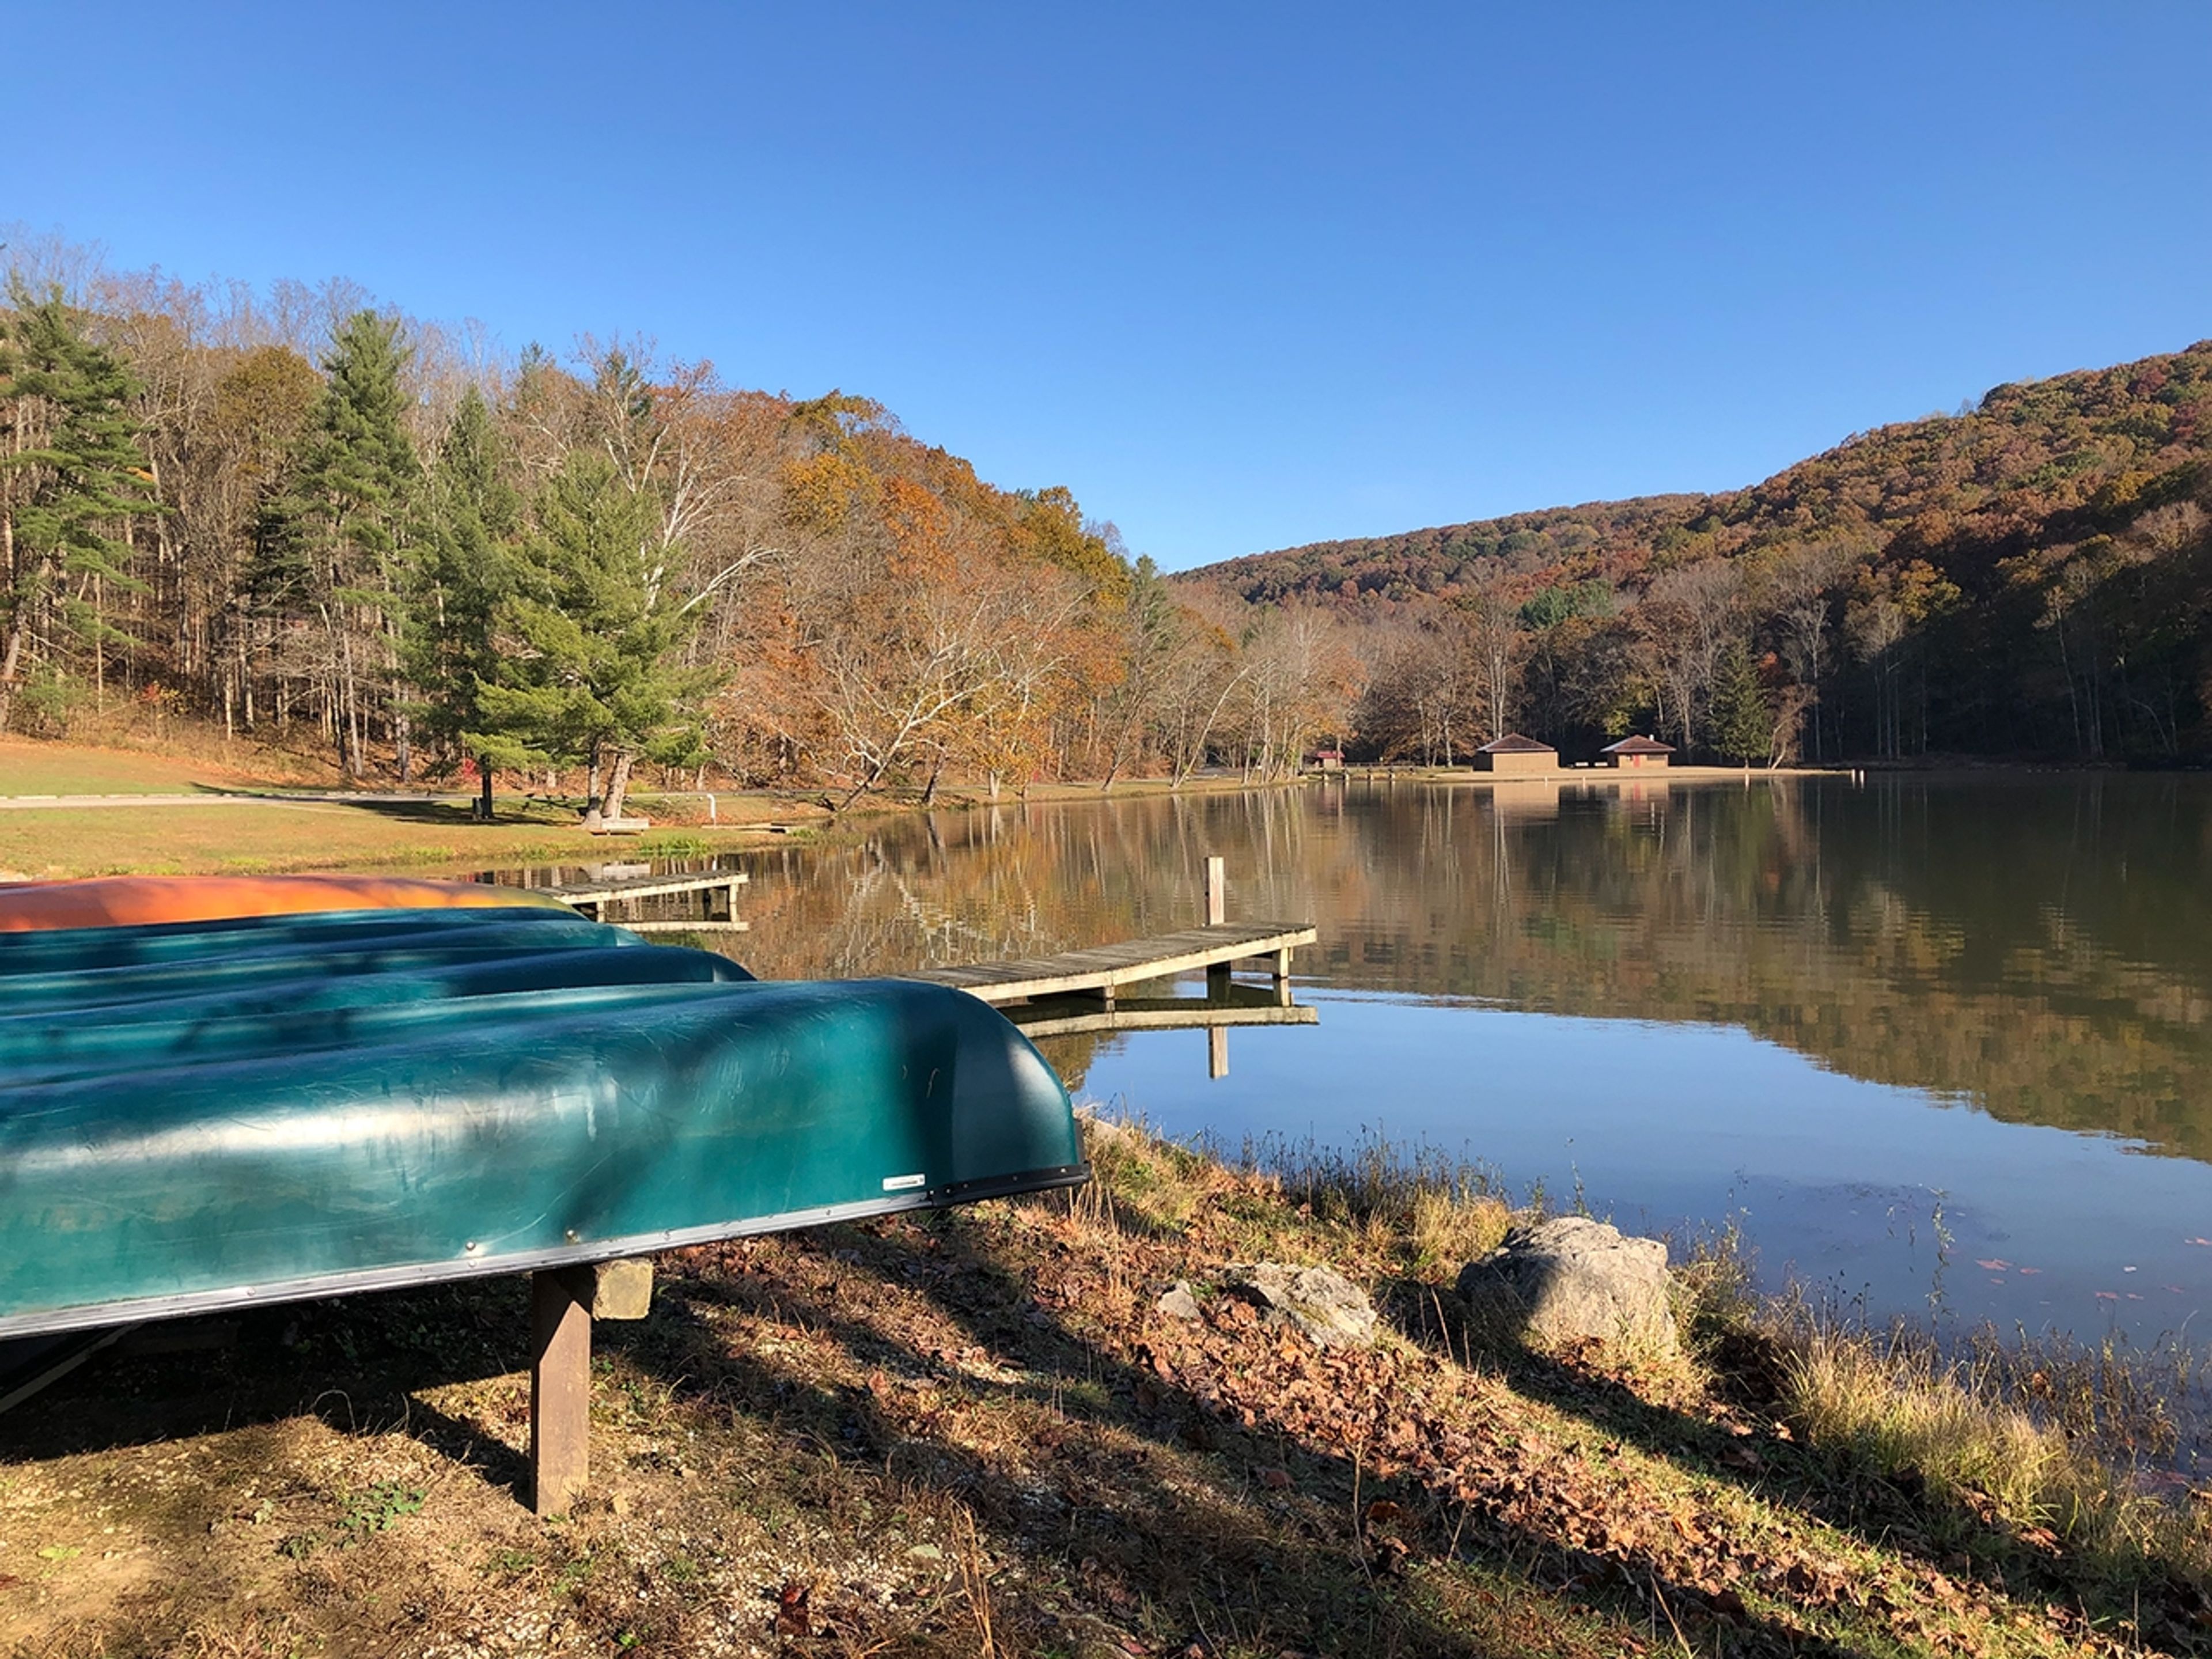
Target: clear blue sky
x: 1241, y: 275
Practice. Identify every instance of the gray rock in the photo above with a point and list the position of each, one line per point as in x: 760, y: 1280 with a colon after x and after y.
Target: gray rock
x: 1329, y: 1308
x: 1573, y: 1277
x: 1178, y: 1302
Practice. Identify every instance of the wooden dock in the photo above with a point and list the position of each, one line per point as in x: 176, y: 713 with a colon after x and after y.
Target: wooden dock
x: 1107, y: 967
x: 614, y: 900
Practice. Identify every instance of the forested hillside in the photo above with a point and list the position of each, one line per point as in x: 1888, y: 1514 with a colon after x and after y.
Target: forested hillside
x: 316, y: 522
x: 2033, y: 576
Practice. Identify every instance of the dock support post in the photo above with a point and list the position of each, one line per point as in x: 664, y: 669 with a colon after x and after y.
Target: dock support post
x: 1216, y: 1051
x: 563, y: 1301
x: 1216, y: 914
x: 1283, y: 978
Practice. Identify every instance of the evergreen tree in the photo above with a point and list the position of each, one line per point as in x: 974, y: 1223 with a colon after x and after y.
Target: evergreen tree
x: 69, y: 469
x: 589, y: 667
x: 1742, y: 719
x: 467, y: 568
x: 337, y: 541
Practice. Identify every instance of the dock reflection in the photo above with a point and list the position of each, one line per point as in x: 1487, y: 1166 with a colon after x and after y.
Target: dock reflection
x: 1087, y: 1015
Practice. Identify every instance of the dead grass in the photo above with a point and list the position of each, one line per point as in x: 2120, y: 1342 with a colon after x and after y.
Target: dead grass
x: 260, y: 839
x: 973, y: 1433
x: 1904, y: 1411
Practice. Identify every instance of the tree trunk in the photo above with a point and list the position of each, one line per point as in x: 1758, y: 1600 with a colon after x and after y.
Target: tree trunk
x: 16, y: 629
x: 618, y: 786
x: 349, y: 731
x: 483, y: 797
x: 19, y: 629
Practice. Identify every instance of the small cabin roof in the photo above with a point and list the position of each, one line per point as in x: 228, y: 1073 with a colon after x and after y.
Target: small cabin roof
x: 1513, y: 743
x: 1639, y: 746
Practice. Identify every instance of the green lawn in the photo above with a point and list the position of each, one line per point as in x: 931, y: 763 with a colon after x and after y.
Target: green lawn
x: 52, y: 769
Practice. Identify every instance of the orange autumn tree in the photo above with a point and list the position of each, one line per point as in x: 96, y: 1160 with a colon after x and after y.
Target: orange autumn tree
x: 938, y: 625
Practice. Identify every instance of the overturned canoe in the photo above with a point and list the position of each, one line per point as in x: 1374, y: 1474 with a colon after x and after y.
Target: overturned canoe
x: 205, y: 1113
x: 147, y: 900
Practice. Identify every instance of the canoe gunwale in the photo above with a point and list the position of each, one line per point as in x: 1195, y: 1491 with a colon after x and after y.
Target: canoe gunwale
x: 140, y: 1309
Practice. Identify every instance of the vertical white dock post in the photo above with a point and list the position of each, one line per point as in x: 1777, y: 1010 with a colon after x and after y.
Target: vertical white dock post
x: 1216, y: 913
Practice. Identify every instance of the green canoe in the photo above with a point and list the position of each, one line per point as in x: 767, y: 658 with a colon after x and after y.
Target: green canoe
x: 199, y: 1115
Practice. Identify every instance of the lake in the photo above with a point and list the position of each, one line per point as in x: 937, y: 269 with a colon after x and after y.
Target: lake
x: 1930, y: 1041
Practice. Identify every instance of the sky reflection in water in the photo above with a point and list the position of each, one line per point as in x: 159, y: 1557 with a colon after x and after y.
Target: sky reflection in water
x: 1672, y: 1128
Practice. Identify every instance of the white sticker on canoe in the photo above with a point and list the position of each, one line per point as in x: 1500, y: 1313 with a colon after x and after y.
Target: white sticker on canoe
x: 904, y: 1183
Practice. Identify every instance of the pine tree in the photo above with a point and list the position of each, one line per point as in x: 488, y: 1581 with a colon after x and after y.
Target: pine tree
x: 467, y: 568
x: 590, y: 664
x: 338, y: 542
x: 1741, y: 718
x: 69, y: 469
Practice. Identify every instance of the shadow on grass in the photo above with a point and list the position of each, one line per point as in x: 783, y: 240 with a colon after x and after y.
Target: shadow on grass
x: 1153, y: 1504
x: 357, y: 1364
x: 932, y: 1377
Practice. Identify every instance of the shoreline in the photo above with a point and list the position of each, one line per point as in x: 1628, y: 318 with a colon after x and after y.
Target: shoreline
x: 908, y: 1435
x: 238, y: 825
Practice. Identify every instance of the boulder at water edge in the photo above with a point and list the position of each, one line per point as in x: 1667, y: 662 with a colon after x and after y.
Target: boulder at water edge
x: 1331, y: 1310
x: 1561, y: 1280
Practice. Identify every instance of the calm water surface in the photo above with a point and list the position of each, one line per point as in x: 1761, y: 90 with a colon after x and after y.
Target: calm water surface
x: 1925, y: 1039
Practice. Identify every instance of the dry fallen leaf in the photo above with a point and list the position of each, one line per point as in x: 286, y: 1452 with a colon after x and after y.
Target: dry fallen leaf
x: 791, y: 1615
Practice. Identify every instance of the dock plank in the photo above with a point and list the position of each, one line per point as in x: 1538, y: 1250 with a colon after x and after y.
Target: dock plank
x: 1104, y: 967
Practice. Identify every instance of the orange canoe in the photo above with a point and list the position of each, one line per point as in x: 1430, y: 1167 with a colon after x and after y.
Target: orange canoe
x: 141, y: 901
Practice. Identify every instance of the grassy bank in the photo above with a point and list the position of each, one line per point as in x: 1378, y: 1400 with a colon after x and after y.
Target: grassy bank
x: 247, y: 827
x: 273, y: 839
x: 974, y: 1433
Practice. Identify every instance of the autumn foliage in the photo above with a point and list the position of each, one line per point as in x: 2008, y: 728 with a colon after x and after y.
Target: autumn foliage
x: 2030, y: 576
x: 317, y: 523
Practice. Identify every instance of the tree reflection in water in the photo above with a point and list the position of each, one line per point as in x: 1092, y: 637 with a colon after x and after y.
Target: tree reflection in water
x: 2032, y: 947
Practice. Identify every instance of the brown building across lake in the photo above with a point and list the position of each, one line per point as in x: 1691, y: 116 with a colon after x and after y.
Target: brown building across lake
x: 1515, y: 753
x: 1638, y: 754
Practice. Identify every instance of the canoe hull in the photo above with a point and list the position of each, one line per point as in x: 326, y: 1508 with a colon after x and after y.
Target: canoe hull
x: 330, y: 1149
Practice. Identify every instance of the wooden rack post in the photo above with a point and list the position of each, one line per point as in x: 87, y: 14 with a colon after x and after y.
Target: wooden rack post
x: 563, y: 1301
x: 559, y: 1390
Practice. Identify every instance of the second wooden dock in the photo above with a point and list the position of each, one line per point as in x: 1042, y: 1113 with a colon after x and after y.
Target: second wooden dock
x: 614, y: 898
